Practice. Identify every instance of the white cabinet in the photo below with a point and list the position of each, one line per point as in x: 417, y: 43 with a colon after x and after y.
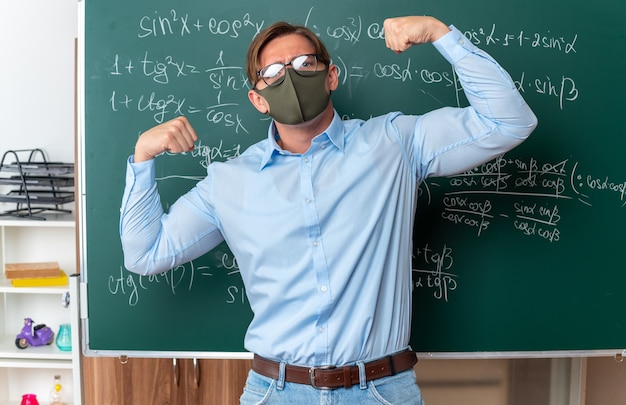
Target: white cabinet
x: 32, y: 370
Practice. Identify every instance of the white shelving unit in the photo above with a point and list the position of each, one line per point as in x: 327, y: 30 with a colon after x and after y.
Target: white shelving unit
x: 32, y: 370
x: 49, y: 36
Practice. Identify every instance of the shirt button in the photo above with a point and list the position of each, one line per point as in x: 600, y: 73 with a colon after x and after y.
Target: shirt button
x: 306, y: 160
x: 307, y: 200
x: 324, y: 288
x: 320, y: 329
x: 316, y: 243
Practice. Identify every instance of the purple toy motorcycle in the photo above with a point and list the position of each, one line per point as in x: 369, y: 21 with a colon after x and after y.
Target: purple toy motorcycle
x: 37, y: 335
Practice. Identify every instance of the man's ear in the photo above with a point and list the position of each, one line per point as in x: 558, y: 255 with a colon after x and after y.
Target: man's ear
x: 333, y: 78
x: 258, y: 102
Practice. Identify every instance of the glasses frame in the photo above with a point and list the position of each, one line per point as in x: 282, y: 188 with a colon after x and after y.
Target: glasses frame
x: 303, y: 73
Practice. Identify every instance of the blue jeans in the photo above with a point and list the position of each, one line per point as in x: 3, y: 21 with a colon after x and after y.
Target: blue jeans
x: 400, y: 389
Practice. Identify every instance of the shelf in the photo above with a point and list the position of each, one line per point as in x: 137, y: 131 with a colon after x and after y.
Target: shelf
x: 49, y: 354
x: 58, y: 220
x: 7, y: 287
x: 40, y: 402
x: 36, y: 363
x: 23, y: 240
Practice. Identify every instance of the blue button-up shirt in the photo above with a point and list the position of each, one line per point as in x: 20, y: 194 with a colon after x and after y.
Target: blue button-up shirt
x: 323, y: 239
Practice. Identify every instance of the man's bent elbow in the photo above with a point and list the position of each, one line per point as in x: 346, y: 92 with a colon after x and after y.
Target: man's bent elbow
x: 141, y: 264
x: 523, y: 125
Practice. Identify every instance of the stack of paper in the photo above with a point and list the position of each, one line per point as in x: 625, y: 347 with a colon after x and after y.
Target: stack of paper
x: 39, y: 274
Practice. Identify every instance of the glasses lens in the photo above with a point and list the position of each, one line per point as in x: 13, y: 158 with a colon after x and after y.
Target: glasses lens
x: 273, y: 74
x: 305, y: 65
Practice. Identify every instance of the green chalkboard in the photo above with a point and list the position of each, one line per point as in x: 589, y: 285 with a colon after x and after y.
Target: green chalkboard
x: 523, y: 254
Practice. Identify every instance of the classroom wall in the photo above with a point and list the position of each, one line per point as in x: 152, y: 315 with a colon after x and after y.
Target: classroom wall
x: 37, y: 42
x: 37, y: 76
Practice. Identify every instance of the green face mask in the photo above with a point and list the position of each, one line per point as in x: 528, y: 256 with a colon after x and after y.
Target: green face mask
x: 297, y: 99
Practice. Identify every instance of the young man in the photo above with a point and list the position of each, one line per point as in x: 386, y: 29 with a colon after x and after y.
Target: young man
x: 320, y: 214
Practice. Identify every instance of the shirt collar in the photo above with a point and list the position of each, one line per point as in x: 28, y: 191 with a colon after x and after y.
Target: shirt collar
x: 334, y: 132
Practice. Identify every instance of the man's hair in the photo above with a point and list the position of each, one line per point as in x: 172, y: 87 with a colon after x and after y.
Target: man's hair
x: 274, y: 31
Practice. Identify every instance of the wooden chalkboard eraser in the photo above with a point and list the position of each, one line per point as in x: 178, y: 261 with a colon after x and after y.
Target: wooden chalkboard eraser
x: 32, y: 270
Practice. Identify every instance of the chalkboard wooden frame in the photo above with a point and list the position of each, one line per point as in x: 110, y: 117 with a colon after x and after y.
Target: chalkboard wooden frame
x: 518, y: 258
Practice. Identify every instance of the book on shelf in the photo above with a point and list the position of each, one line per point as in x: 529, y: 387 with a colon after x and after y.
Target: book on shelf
x: 31, y: 270
x: 57, y: 281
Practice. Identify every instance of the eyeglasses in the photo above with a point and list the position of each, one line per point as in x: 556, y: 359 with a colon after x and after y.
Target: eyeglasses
x: 274, y: 74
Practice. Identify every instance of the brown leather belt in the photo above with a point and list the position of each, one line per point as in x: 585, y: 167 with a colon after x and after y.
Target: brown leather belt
x: 330, y: 377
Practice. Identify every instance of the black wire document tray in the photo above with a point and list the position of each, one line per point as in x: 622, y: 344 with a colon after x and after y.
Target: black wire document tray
x: 41, y: 181
x: 35, y: 185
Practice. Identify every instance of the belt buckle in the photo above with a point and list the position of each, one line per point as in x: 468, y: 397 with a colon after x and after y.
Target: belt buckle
x: 312, y: 376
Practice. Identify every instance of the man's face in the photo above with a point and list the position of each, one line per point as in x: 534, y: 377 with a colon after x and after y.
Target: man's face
x: 295, y: 87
